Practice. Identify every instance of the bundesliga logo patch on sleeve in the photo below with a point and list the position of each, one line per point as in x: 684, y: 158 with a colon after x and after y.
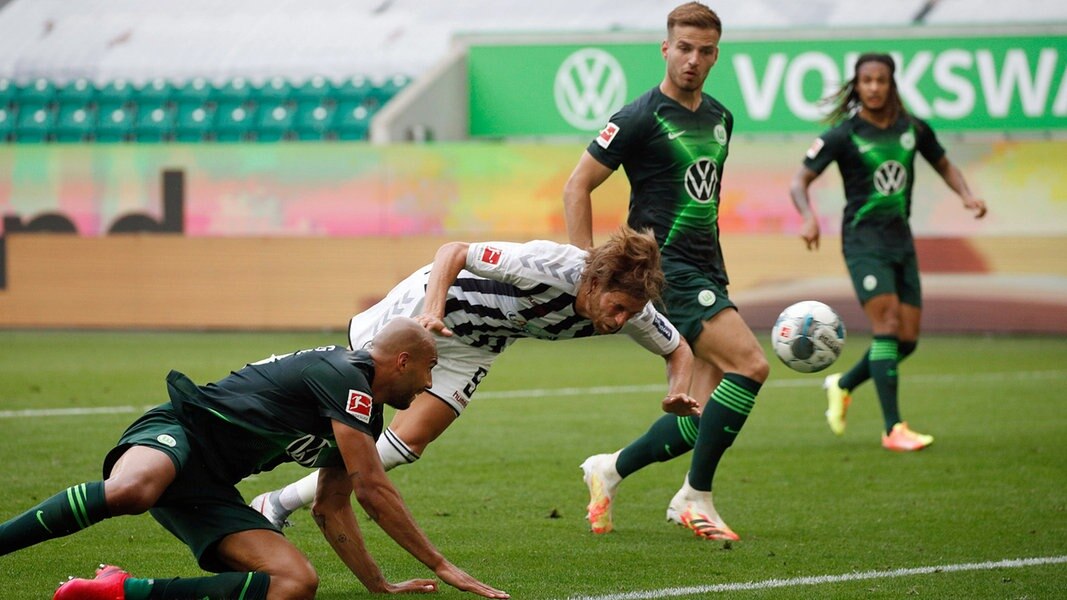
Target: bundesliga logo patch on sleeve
x: 815, y: 148
x: 607, y: 134
x: 491, y: 255
x: 359, y: 405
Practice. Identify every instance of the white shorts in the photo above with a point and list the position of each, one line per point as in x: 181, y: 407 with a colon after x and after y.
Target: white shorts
x: 460, y: 367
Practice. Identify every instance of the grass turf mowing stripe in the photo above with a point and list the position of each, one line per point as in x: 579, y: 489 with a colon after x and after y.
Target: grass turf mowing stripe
x: 1011, y: 563
x: 603, y: 390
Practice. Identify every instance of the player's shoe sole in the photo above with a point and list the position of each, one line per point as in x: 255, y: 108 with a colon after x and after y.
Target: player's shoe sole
x: 837, y: 403
x: 597, y: 472
x: 107, y: 585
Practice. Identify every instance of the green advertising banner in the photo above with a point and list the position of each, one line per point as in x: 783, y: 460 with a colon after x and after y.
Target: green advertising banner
x: 961, y: 83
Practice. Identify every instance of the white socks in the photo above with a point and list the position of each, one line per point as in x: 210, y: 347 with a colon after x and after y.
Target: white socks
x: 394, y: 451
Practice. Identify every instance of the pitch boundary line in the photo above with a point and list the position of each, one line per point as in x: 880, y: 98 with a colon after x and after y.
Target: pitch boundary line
x: 773, y: 383
x: 604, y: 390
x: 1011, y: 563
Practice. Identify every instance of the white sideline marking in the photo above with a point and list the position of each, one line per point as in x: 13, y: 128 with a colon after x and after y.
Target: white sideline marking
x: 603, y: 390
x: 812, y: 381
x: 64, y: 412
x: 1010, y: 563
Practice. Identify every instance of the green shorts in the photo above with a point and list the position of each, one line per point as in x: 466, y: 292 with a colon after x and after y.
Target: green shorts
x: 198, y: 507
x: 690, y: 298
x: 875, y: 274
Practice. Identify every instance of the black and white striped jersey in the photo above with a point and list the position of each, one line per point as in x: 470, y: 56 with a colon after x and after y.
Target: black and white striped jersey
x: 509, y: 291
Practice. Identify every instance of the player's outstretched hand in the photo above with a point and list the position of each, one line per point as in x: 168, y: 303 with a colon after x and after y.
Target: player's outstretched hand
x: 681, y: 405
x: 412, y: 586
x: 457, y: 578
x: 433, y: 324
x: 976, y: 205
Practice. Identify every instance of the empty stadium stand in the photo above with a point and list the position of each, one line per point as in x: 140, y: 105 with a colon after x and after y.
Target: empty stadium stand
x: 272, y: 70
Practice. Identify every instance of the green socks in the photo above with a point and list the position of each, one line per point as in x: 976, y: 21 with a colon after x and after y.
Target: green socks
x: 668, y: 437
x: 861, y: 371
x: 224, y: 586
x: 67, y: 512
x: 883, y: 365
x: 724, y: 416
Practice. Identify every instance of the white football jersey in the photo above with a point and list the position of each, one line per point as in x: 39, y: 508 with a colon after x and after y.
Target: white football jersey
x: 506, y: 291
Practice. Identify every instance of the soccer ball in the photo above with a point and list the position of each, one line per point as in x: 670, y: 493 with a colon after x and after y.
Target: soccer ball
x: 808, y: 336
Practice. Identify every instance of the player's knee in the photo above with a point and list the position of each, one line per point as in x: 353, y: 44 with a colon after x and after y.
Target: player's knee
x: 299, y: 583
x: 129, y: 497
x: 758, y: 367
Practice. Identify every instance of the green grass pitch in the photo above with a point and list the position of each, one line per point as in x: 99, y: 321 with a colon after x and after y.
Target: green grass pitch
x: 501, y: 493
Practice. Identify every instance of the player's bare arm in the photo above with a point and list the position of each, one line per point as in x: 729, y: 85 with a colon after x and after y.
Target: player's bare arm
x: 333, y: 514
x: 377, y: 495
x: 954, y: 178
x: 798, y: 191
x: 679, y: 372
x: 450, y: 259
x: 588, y: 174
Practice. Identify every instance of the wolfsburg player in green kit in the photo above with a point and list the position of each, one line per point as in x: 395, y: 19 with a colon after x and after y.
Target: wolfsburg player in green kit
x: 181, y: 461
x: 874, y: 142
x: 673, y: 142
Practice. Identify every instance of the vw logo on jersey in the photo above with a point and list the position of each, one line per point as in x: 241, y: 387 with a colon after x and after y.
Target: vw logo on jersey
x: 907, y: 140
x: 305, y: 450
x: 890, y: 178
x: 590, y: 86
x: 700, y: 180
x: 720, y: 134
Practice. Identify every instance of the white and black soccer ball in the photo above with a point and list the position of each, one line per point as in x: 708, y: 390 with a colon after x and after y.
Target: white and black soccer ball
x: 808, y: 336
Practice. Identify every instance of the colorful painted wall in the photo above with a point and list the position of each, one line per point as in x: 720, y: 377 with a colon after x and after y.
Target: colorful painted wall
x: 302, y: 235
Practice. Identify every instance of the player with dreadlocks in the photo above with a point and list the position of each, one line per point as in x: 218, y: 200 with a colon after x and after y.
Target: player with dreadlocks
x: 874, y: 140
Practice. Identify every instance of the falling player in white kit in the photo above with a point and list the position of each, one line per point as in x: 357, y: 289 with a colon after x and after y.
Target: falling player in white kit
x: 481, y: 297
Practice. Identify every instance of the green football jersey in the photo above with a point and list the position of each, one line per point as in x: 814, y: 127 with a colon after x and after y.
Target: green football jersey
x: 281, y: 409
x: 877, y: 167
x: 674, y: 159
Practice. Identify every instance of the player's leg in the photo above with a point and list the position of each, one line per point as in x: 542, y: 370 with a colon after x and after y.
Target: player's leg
x: 137, y: 476
x: 228, y: 538
x: 899, y: 436
x: 874, y: 280
x: 727, y: 342
x: 669, y: 437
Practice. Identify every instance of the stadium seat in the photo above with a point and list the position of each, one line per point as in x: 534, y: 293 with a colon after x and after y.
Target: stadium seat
x: 234, y: 90
x: 313, y: 121
x: 75, y: 122
x: 154, y: 123
x: 34, y: 123
x: 315, y: 89
x: 38, y: 91
x: 383, y: 90
x: 275, y: 121
x: 7, y: 92
x: 234, y: 122
x: 352, y: 91
x: 194, y: 91
x: 114, y: 122
x: 114, y: 92
x: 353, y: 121
x: 194, y: 122
x: 274, y: 91
x: 79, y: 92
x: 7, y: 124
x: 157, y: 91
